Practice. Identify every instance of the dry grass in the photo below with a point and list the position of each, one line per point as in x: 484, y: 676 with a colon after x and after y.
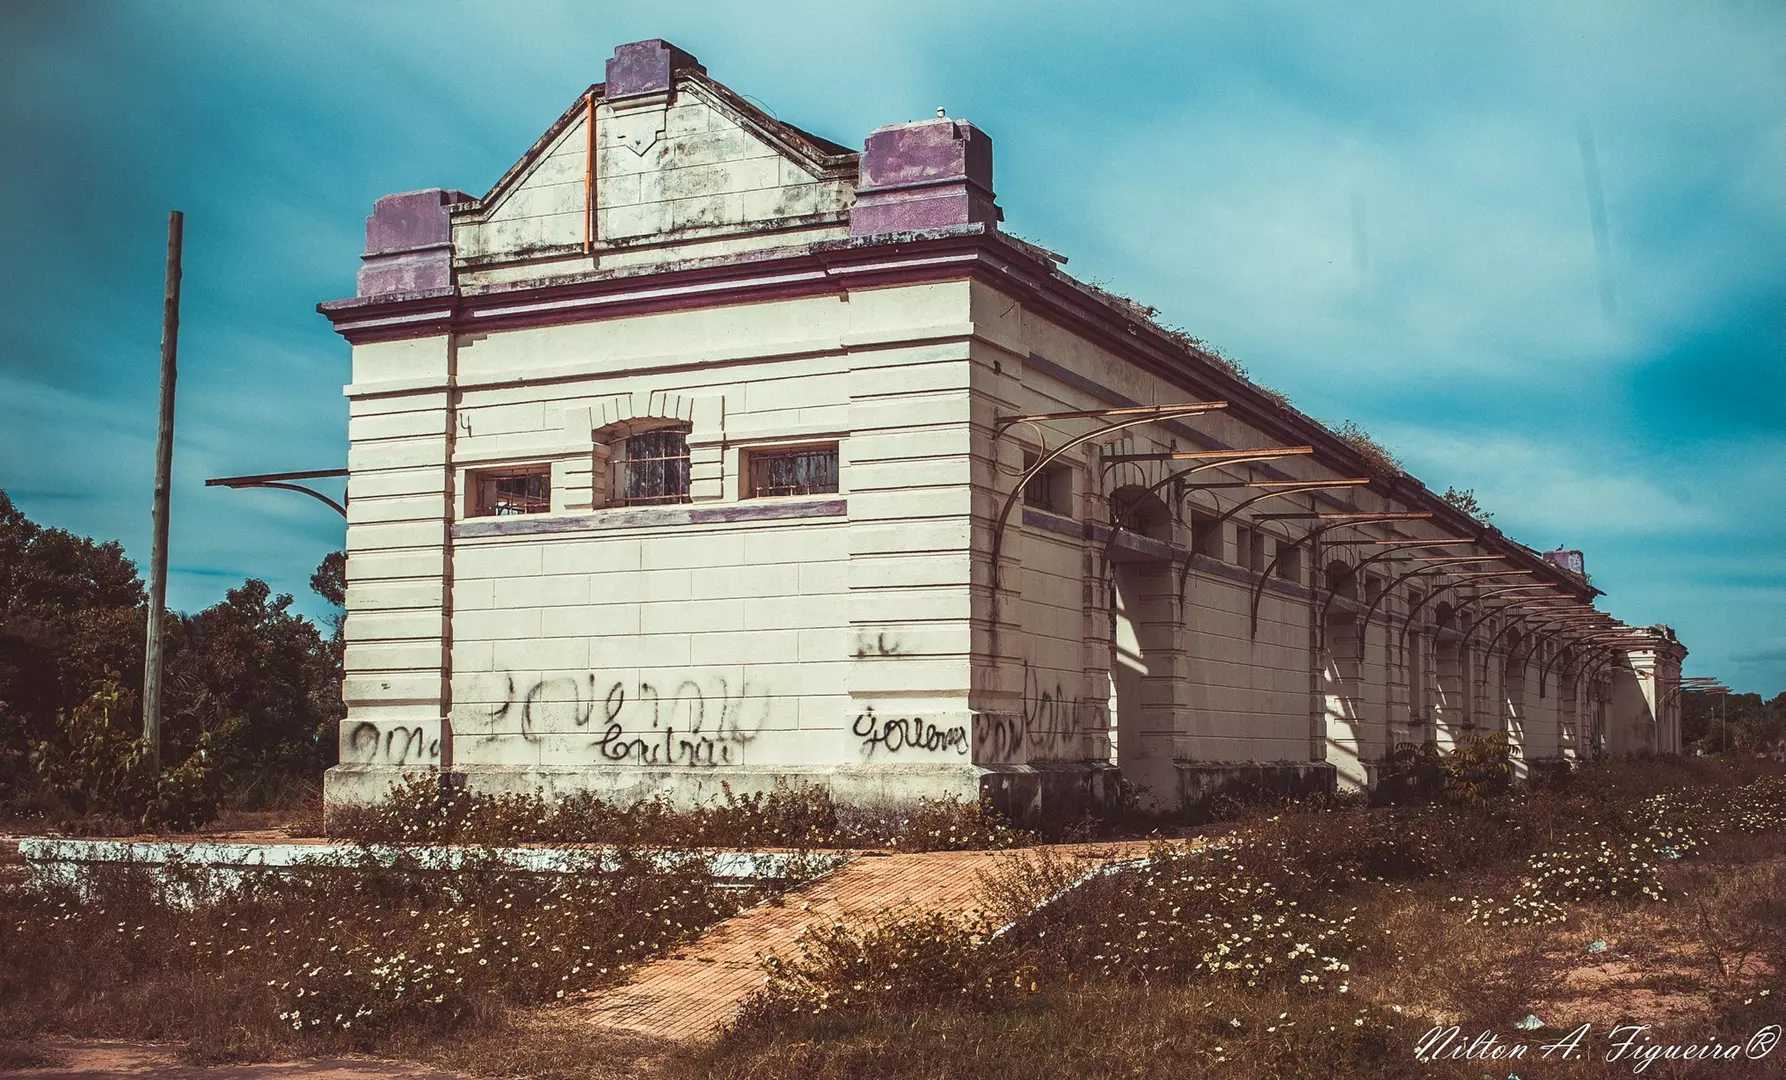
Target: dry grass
x: 376, y: 959
x: 15, y: 1054
x: 1324, y: 941
x: 1314, y: 941
x: 422, y: 810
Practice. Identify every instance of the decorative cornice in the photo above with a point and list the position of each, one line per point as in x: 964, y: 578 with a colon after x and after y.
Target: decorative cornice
x: 963, y: 252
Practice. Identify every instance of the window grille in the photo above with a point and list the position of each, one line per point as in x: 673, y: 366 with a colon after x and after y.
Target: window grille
x: 655, y: 469
x: 810, y: 470
x: 1051, y: 489
x: 499, y: 493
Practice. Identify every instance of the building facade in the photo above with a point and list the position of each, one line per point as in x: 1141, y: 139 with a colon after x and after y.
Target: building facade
x: 702, y: 451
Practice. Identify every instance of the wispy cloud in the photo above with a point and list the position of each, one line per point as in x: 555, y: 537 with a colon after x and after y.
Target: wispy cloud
x: 1380, y: 208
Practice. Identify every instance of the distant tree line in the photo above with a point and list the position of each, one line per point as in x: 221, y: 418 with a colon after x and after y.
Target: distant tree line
x: 251, y: 694
x: 1745, y: 723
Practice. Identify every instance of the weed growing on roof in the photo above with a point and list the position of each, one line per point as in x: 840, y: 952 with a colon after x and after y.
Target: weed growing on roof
x: 1376, y: 456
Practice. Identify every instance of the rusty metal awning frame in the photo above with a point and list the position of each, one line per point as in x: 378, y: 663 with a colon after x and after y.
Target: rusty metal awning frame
x: 1440, y: 564
x: 1464, y: 578
x: 284, y: 482
x: 1122, y: 419
x: 1329, y: 522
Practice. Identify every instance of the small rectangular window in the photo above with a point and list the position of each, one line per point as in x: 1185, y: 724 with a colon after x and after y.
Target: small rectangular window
x: 1289, y: 561
x: 1249, y: 548
x: 807, y: 470
x: 500, y: 492
x: 1206, y: 536
x: 654, y: 470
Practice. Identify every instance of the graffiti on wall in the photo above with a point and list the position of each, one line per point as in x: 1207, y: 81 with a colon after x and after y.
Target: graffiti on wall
x: 402, y: 744
x: 1050, y: 726
x: 894, y: 734
x: 879, y: 645
x: 692, y: 722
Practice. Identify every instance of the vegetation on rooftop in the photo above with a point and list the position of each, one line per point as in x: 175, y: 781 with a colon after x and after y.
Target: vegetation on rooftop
x: 1465, y: 500
x: 1377, y: 457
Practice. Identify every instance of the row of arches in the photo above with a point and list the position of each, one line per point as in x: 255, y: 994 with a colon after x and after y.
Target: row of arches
x: 1381, y: 681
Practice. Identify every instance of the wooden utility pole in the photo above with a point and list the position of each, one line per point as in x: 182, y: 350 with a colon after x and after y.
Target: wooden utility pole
x: 164, y: 467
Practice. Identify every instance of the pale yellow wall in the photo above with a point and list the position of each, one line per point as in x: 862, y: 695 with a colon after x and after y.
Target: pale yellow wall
x: 627, y: 638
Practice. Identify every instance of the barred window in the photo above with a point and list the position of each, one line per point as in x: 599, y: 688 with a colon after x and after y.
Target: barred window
x: 654, y: 470
x: 1051, y: 489
x: 807, y: 470
x: 500, y: 492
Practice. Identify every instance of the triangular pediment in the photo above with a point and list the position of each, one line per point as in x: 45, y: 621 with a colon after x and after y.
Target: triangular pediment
x: 689, y: 170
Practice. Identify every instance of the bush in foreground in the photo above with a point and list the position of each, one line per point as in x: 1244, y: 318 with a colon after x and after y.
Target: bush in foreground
x: 422, y: 810
x: 1316, y: 941
x: 364, y: 958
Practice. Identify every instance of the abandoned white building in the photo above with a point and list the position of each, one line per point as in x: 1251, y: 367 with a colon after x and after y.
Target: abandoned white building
x: 703, y: 449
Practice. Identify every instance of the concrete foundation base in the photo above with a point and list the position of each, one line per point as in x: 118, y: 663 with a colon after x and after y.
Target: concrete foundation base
x: 1039, y: 796
x: 1030, y: 795
x: 1201, y: 783
x: 1544, y: 772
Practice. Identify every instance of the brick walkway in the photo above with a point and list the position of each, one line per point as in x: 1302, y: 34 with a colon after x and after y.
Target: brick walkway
x: 693, y: 992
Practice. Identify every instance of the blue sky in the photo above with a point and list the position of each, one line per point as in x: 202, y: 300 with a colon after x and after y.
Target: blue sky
x: 1382, y: 210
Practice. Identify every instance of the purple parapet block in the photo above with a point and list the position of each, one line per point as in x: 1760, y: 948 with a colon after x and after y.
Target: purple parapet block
x: 409, y: 243
x: 645, y: 67
x: 925, y: 175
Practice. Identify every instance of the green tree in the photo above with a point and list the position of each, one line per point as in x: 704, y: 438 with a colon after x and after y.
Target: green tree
x: 1744, y: 722
x: 1465, y: 499
x: 70, y: 611
x: 251, y: 659
x: 256, y: 685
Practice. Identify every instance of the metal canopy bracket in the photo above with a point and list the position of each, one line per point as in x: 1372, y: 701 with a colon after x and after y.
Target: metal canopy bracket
x: 1138, y: 414
x: 1443, y: 562
x: 283, y: 482
x: 1274, y: 489
x: 1467, y: 578
x: 1329, y: 523
x: 1123, y: 418
x: 1225, y: 456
